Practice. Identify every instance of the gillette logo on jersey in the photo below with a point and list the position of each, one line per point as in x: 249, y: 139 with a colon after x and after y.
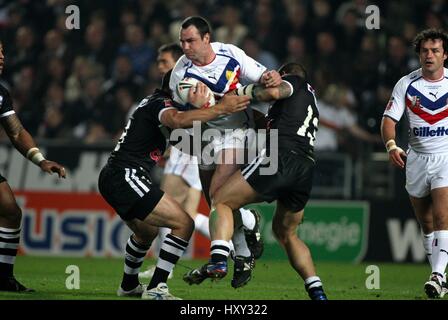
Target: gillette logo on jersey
x: 428, y: 132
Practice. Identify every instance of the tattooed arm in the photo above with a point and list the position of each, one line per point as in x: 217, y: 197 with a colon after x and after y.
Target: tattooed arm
x: 25, y: 144
x: 19, y: 137
x: 258, y: 92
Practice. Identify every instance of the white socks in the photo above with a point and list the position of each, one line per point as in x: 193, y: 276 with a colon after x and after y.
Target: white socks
x: 312, y: 282
x: 427, y: 245
x: 201, y: 225
x: 440, y: 251
x: 248, y: 219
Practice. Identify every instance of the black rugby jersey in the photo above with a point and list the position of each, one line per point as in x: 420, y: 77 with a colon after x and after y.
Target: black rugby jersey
x: 296, y: 118
x: 142, y: 142
x: 5, y: 102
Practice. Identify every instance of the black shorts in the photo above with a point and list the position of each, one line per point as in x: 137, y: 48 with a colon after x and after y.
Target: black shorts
x: 2, y: 178
x: 291, y: 184
x: 129, y: 191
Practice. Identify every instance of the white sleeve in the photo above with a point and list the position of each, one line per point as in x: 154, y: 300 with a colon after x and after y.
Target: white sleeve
x: 396, y: 105
x: 251, y: 70
x: 176, y: 76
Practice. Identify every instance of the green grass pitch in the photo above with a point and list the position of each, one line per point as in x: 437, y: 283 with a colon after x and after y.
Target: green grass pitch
x: 272, y: 280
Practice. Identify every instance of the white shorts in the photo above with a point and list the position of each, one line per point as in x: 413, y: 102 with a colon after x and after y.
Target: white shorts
x: 185, y: 166
x: 235, y: 139
x: 232, y: 140
x: 425, y: 171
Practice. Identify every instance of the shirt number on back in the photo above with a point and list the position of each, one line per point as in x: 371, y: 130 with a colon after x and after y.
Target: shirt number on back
x: 304, y: 130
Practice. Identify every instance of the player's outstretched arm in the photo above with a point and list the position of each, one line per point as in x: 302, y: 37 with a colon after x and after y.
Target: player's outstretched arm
x: 25, y: 144
x: 260, y: 92
x: 199, y: 98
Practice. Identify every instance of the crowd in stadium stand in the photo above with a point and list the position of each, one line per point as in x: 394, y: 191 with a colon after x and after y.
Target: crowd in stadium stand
x: 82, y: 84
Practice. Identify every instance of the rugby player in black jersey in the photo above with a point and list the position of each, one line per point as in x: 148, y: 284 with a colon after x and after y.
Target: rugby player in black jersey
x: 10, y: 212
x: 125, y: 183
x: 295, y: 116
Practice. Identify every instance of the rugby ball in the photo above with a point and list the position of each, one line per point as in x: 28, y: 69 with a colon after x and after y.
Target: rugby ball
x: 184, y: 86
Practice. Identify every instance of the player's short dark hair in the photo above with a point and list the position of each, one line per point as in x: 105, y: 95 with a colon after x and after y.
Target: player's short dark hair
x: 293, y: 68
x: 166, y: 82
x: 431, y: 34
x: 173, y: 48
x: 200, y: 23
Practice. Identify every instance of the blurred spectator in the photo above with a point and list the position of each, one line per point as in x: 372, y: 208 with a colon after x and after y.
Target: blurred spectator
x: 89, y: 108
x: 54, y: 125
x: 26, y: 101
x: 25, y: 51
x: 97, y: 49
x: 128, y: 17
x: 152, y: 12
x: 82, y: 70
x: 158, y: 34
x: 253, y: 50
x: 55, y: 47
x: 325, y: 57
x: 349, y: 33
x: 232, y: 30
x: 13, y: 21
x: 187, y: 9
x: 123, y: 77
x: 297, y: 21
x: 337, y: 122
x: 322, y: 15
x: 266, y: 31
x: 139, y: 53
x: 434, y: 20
x: 358, y: 6
x: 297, y: 51
x: 396, y: 63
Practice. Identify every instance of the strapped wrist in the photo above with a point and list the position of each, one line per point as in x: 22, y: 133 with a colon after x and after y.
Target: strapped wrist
x: 35, y: 156
x: 246, y: 91
x: 391, y: 145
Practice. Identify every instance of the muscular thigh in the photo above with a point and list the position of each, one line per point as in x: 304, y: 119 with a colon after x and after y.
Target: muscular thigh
x: 286, y: 219
x: 236, y: 192
x: 227, y: 167
x: 167, y: 213
x: 440, y: 202
x: 176, y: 187
x: 144, y: 231
x: 7, y: 200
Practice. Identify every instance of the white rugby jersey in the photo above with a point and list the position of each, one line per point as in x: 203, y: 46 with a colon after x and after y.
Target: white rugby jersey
x: 426, y: 105
x: 223, y: 74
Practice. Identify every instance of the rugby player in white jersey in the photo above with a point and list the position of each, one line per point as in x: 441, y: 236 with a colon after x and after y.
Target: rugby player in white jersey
x: 423, y: 95
x: 221, y: 67
x: 181, y: 173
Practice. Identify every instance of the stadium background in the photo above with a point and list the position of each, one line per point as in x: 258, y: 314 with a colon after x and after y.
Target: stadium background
x: 73, y: 90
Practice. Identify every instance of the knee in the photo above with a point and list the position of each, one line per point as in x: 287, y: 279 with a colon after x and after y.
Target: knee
x: 12, y: 214
x: 185, y: 222
x: 282, y: 234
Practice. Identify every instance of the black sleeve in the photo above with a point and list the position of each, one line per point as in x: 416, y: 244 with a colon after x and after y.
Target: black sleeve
x: 295, y: 81
x: 5, y: 101
x: 157, y: 105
